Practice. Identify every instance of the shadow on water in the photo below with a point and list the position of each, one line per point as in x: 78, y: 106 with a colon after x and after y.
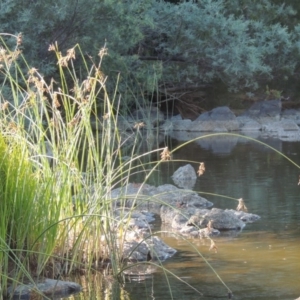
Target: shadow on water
x: 261, y: 262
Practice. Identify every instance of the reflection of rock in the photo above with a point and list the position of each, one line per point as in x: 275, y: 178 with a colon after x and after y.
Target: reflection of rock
x: 139, y: 272
x: 47, y: 287
x: 185, y: 177
x: 220, y: 144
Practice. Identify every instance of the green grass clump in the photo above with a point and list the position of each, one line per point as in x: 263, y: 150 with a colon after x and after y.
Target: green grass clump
x: 56, y: 171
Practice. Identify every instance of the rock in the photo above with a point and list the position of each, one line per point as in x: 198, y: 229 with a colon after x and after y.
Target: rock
x: 207, y: 233
x: 185, y: 177
x: 171, y: 195
x: 222, y: 220
x: 281, y: 126
x: 48, y: 287
x: 220, y: 119
x: 214, y: 126
x: 248, y: 124
x: 291, y: 114
x: 284, y: 129
x: 181, y: 125
x: 245, y: 217
x: 265, y: 111
x: 145, y: 249
x: 150, y: 198
x: 222, y: 113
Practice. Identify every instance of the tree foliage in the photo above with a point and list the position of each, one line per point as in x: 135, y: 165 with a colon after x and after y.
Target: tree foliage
x: 242, y: 43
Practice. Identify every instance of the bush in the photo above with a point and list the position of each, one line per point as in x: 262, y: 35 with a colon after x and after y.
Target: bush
x: 161, y: 44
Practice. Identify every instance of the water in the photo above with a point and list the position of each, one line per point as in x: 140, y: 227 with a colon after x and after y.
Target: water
x: 263, y: 261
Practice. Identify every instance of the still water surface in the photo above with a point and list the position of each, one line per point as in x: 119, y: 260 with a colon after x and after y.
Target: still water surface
x: 261, y: 262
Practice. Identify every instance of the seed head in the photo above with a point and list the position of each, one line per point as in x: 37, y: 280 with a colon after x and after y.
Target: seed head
x: 241, y: 206
x: 201, y: 169
x: 166, y: 154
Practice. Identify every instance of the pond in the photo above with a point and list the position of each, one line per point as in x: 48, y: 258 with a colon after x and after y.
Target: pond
x: 261, y: 262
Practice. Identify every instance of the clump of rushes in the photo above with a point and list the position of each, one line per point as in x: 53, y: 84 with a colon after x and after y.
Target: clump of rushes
x: 56, y: 177
x: 57, y: 172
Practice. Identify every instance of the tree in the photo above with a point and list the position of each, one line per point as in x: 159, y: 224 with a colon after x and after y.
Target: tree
x: 170, y: 45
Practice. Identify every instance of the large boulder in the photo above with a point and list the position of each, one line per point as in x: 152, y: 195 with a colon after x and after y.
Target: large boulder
x: 265, y: 111
x: 220, y: 119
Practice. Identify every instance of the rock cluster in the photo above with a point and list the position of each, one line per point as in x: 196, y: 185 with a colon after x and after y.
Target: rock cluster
x: 181, y: 211
x: 265, y: 117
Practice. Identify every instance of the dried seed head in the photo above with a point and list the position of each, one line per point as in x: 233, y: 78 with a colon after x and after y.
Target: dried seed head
x: 241, y: 206
x: 166, y: 154
x: 51, y: 47
x: 139, y: 125
x: 5, y: 105
x: 106, y: 116
x: 74, y: 121
x: 55, y: 100
x: 71, y: 54
x: 99, y: 74
x: 19, y: 39
x: 213, y: 246
x: 103, y: 52
x: 13, y: 126
x: 32, y: 71
x: 209, y: 225
x: 201, y: 169
x: 54, y: 122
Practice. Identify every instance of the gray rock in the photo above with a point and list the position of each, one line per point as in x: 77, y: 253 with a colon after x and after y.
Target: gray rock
x: 265, y: 111
x: 214, y: 126
x: 222, y: 220
x: 291, y: 114
x: 222, y: 113
x: 151, y: 247
x: 171, y: 195
x: 220, y: 119
x: 150, y: 198
x: 47, y: 287
x: 248, y: 124
x: 286, y: 130
x: 281, y: 126
x: 181, y: 125
x: 245, y: 217
x: 185, y: 177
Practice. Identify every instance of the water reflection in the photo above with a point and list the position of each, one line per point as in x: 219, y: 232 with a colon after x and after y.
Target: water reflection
x: 263, y: 261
